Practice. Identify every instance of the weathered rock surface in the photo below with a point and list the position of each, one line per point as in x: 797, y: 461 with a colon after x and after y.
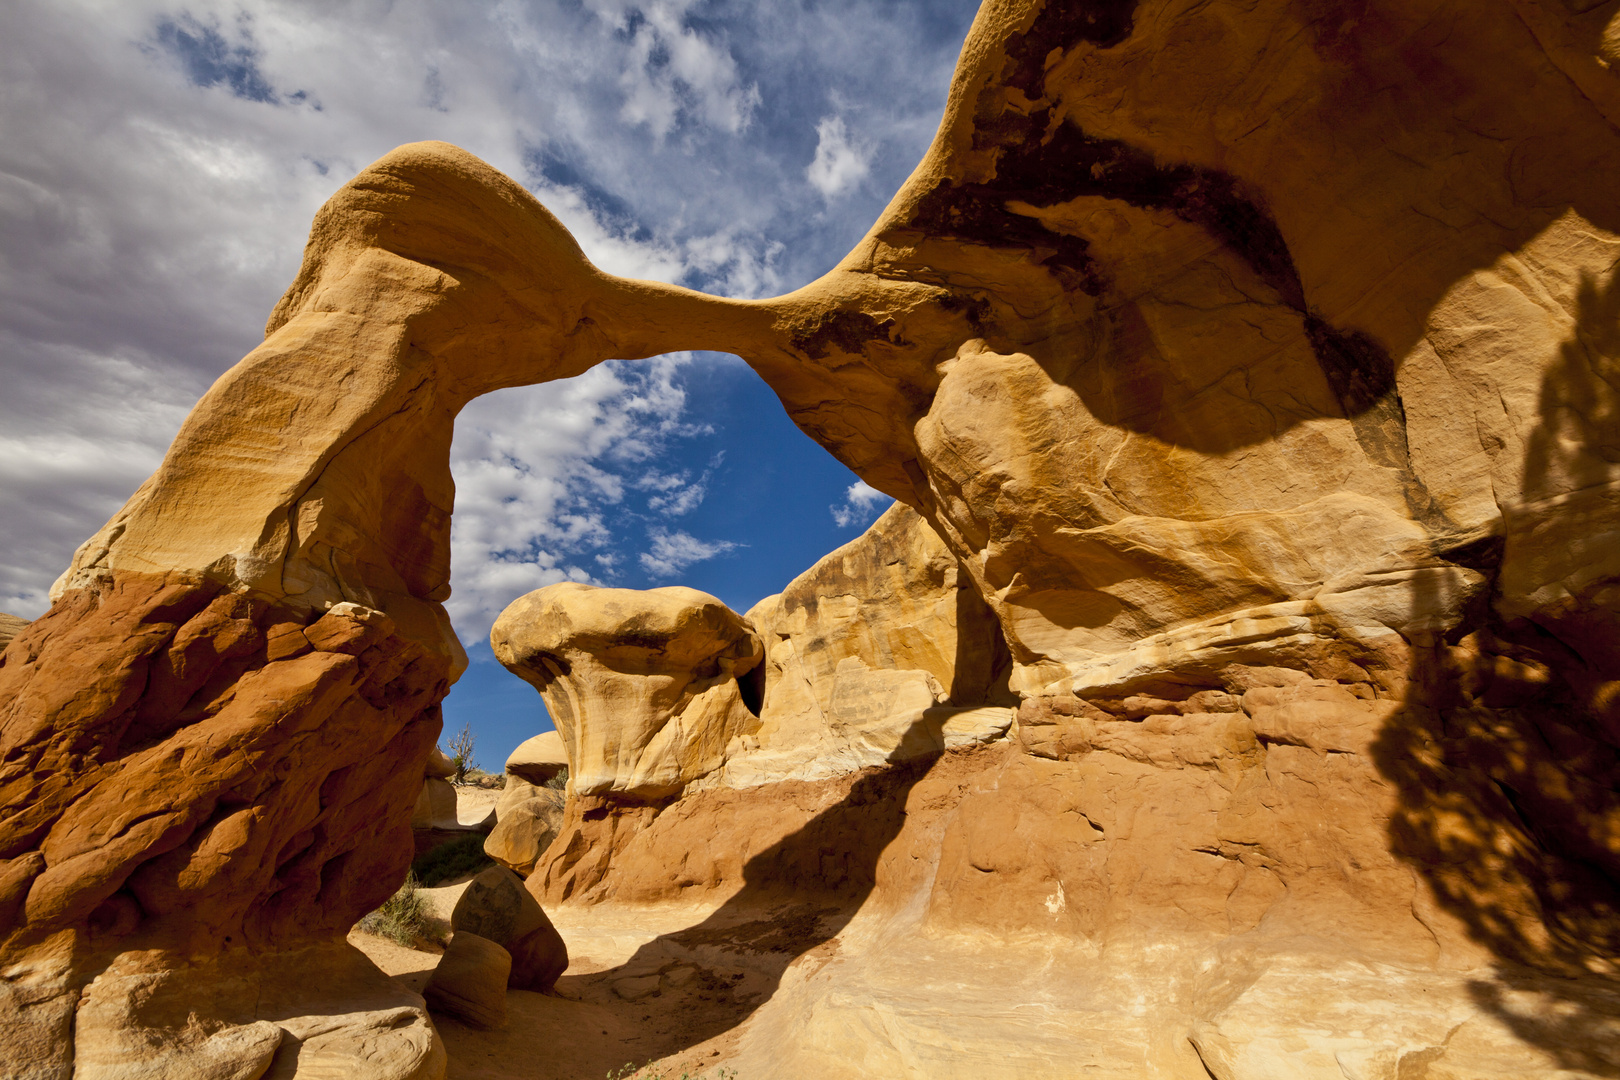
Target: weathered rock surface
x: 10, y: 627
x: 438, y: 765
x: 496, y: 907
x: 538, y: 958
x: 871, y: 655
x: 526, y: 823
x: 539, y: 759
x: 643, y: 686
x: 470, y: 981
x: 436, y: 805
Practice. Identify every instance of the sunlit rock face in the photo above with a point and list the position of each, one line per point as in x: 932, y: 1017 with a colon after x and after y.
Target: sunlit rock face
x: 643, y: 686
x: 881, y: 652
x: 1181, y: 358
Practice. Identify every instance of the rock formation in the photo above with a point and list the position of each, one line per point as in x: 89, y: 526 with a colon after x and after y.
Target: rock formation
x: 436, y: 805
x: 645, y: 687
x: 9, y: 627
x: 881, y: 652
x: 1254, y: 362
x: 530, y: 811
x: 211, y: 745
x: 527, y: 819
x: 536, y: 761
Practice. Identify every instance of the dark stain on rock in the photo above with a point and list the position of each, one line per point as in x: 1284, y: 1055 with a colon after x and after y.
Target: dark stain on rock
x: 847, y: 331
x: 1044, y: 162
x: 1063, y: 24
x: 976, y: 309
x: 1483, y: 554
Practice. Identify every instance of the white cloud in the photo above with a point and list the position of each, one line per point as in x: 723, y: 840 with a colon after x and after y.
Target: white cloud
x: 840, y: 162
x: 162, y: 162
x: 862, y: 504
x: 677, y: 493
x: 673, y: 552
x: 675, y: 71
x: 535, y: 479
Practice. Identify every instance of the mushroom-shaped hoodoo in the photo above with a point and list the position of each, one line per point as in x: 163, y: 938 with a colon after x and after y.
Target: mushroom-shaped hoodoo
x: 643, y: 685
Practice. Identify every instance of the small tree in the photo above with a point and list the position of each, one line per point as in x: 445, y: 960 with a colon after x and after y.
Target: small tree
x: 460, y: 753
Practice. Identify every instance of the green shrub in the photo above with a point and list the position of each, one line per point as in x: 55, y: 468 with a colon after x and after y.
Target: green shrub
x: 559, y: 780
x: 451, y: 860
x: 402, y: 918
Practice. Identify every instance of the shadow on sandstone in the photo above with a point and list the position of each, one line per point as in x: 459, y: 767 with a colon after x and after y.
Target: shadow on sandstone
x: 798, y: 894
x: 1507, y: 756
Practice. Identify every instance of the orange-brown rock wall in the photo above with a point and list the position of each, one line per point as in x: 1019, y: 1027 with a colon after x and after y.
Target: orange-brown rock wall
x: 191, y: 771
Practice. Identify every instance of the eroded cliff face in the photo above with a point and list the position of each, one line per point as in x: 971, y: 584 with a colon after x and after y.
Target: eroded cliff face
x: 212, y: 744
x: 1193, y: 315
x: 1253, y: 363
x: 1326, y: 867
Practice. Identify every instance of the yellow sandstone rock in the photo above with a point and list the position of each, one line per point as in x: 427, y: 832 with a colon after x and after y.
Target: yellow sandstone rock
x: 870, y: 655
x: 643, y: 686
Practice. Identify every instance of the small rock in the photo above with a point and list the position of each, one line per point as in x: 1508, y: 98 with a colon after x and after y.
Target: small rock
x: 679, y: 976
x: 636, y: 987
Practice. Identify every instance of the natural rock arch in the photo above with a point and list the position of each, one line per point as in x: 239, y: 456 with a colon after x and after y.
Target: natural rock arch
x: 1172, y: 363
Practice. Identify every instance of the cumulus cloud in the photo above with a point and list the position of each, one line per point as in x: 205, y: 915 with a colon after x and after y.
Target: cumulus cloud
x: 162, y: 163
x: 536, y: 471
x: 674, y: 494
x: 674, y: 69
x: 862, y: 504
x: 840, y: 162
x: 672, y: 552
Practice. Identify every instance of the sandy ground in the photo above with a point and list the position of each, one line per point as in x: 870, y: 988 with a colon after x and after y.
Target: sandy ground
x: 637, y: 992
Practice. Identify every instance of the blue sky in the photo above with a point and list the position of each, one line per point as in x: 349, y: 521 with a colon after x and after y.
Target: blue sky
x: 162, y: 162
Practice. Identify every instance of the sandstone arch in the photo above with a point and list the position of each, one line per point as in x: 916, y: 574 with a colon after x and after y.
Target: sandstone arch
x: 1200, y: 335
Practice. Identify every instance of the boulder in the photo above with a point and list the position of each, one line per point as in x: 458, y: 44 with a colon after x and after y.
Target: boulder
x: 539, y: 759
x: 519, y: 790
x: 470, y: 980
x: 538, y: 958
x: 643, y: 686
x: 497, y: 907
x: 525, y: 828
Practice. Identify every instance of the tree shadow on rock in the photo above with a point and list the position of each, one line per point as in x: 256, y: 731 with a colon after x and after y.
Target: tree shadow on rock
x: 1507, y: 754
